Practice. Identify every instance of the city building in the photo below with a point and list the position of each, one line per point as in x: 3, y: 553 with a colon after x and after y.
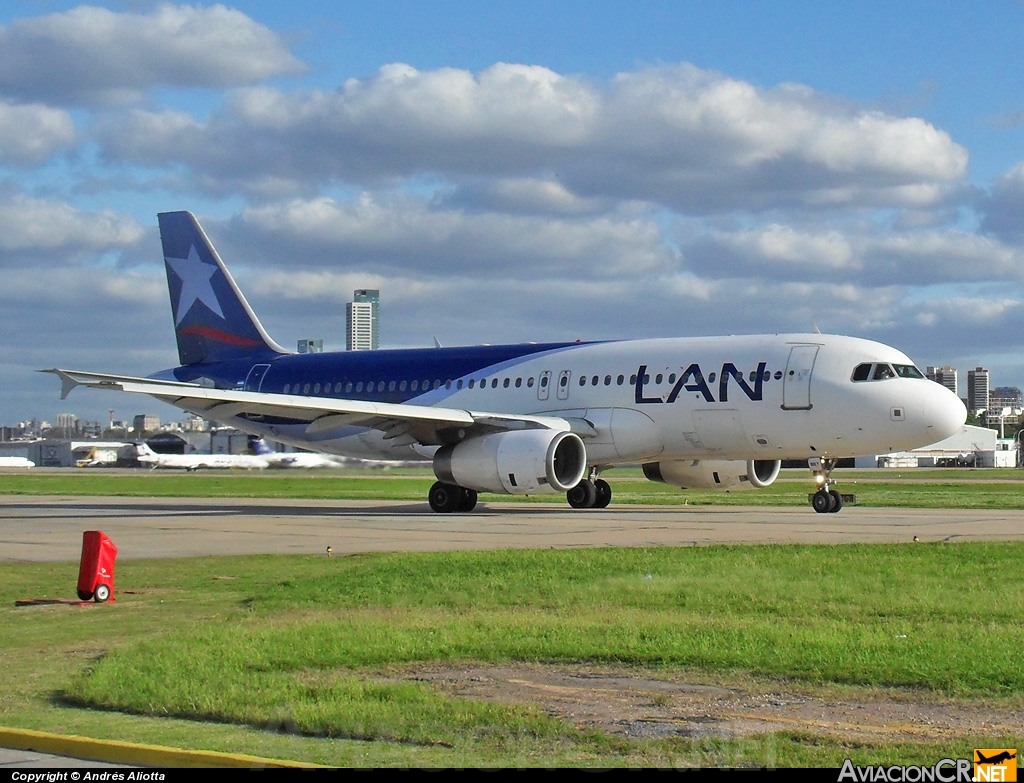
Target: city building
x: 946, y: 376
x: 145, y: 422
x: 311, y: 345
x: 363, y: 322
x: 69, y: 423
x: 1005, y: 397
x: 977, y: 390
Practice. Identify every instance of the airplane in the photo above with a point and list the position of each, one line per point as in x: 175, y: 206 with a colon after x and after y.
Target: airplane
x: 695, y: 412
x: 292, y: 459
x: 999, y: 758
x: 144, y: 455
x: 16, y: 462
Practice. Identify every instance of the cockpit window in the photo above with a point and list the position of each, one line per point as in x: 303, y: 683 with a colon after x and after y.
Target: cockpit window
x: 908, y: 371
x: 862, y: 372
x: 882, y: 371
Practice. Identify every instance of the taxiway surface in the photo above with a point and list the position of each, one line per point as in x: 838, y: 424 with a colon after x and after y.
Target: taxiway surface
x: 38, y: 528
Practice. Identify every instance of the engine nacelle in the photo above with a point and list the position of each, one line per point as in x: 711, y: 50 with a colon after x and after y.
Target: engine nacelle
x: 521, y: 462
x: 715, y: 473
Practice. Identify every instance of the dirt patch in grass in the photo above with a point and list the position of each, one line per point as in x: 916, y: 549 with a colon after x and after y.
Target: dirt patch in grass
x: 642, y: 705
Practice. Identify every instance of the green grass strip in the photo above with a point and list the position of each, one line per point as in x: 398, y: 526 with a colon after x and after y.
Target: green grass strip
x: 309, y: 633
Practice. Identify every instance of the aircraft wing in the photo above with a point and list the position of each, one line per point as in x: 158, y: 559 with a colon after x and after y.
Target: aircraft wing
x: 402, y: 424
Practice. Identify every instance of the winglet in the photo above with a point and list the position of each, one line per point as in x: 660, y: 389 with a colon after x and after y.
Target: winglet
x: 67, y: 383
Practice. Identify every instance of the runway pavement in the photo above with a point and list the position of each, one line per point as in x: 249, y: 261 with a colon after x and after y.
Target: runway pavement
x: 50, y: 528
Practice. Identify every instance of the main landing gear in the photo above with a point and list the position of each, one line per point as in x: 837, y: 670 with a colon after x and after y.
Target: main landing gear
x: 590, y: 493
x: 826, y: 500
x: 448, y: 498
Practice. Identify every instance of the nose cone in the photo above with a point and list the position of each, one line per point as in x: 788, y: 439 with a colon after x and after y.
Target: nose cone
x: 944, y: 413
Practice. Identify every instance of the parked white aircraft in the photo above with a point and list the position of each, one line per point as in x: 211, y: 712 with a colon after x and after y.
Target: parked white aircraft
x: 293, y: 459
x: 699, y: 412
x: 16, y: 462
x: 146, y: 456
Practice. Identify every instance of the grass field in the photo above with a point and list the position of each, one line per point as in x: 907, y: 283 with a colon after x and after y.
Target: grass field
x: 940, y: 488
x: 315, y: 659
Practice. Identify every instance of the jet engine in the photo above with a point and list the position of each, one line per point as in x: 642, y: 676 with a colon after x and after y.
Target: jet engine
x: 715, y: 473
x: 521, y: 462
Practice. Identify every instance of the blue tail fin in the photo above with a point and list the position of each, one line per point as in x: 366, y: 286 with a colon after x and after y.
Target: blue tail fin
x: 212, y: 320
x: 258, y: 446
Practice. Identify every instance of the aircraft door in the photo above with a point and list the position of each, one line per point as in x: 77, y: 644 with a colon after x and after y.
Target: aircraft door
x: 254, y: 379
x: 563, y: 384
x: 544, y: 385
x: 796, y: 384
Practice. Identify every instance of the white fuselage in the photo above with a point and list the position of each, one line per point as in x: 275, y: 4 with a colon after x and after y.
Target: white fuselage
x: 745, y: 397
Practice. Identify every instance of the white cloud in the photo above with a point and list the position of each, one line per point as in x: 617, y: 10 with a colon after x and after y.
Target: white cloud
x: 776, y: 244
x: 688, y: 139
x: 30, y: 133
x: 91, y: 54
x: 407, y: 233
x: 1004, y: 208
x: 36, y: 227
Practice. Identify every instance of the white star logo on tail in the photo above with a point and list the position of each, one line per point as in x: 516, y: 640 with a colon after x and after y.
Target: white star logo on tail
x: 195, y: 284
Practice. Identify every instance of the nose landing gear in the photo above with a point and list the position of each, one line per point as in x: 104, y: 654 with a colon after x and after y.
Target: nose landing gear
x: 826, y: 500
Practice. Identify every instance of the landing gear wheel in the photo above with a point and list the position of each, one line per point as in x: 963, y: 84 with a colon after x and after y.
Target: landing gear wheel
x: 467, y: 500
x: 823, y: 501
x: 84, y: 595
x: 604, y: 493
x: 583, y: 495
x: 837, y: 501
x: 102, y: 594
x: 444, y: 498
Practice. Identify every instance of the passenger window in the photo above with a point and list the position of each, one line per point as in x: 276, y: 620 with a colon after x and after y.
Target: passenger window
x: 287, y: 387
x: 494, y: 383
x: 519, y: 382
x: 620, y: 380
x: 583, y: 380
x: 529, y: 382
x: 505, y: 383
x: 607, y: 380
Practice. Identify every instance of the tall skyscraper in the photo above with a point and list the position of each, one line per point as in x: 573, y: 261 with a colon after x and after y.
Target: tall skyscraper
x: 363, y: 330
x: 945, y: 376
x: 977, y: 390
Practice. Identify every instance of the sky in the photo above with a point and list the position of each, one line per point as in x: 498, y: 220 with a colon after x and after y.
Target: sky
x: 511, y: 172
